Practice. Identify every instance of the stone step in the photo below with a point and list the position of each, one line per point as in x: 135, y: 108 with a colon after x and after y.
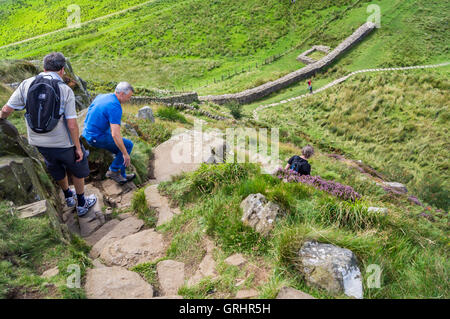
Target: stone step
x: 144, y: 246
x: 125, y: 228
x: 94, y: 219
x: 101, y: 232
x: 161, y: 204
x: 32, y: 210
x: 170, y: 276
x: 291, y: 293
x: 116, y: 283
x: 207, y: 268
x: 116, y: 195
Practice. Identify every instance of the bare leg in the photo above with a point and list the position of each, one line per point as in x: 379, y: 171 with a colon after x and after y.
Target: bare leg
x: 64, y: 183
x: 79, y: 185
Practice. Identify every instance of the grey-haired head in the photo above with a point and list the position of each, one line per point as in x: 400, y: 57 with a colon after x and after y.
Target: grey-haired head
x: 124, y: 87
x: 124, y: 91
x: 308, y: 151
x: 54, y: 62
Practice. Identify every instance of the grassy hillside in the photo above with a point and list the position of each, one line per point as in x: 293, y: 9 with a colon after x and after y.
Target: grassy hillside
x: 22, y: 19
x: 188, y: 44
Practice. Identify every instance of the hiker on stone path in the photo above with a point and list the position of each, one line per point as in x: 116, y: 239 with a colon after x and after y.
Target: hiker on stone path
x: 310, y: 86
x: 300, y: 163
x: 102, y: 130
x: 51, y: 120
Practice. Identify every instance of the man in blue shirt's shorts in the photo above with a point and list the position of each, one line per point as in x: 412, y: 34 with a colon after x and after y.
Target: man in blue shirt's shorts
x: 102, y: 130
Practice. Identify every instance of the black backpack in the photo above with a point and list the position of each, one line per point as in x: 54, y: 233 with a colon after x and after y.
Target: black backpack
x: 43, y: 104
x: 300, y: 166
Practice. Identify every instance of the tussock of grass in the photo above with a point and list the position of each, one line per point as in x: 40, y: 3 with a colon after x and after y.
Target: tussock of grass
x: 141, y: 209
x: 171, y: 114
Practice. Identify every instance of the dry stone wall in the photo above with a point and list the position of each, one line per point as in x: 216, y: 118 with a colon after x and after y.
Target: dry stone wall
x: 259, y: 92
x: 185, y: 98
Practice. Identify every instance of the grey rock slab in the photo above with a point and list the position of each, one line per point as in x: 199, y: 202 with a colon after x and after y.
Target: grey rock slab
x: 236, y: 260
x: 396, y: 186
x: 101, y: 232
x: 382, y: 210
x: 116, y: 283
x: 146, y: 113
x: 124, y: 228
x: 145, y: 246
x: 247, y: 294
x: 170, y: 276
x: 50, y: 272
x: 160, y: 204
x: 259, y: 213
x: 32, y: 210
x: 291, y: 293
x: 207, y: 268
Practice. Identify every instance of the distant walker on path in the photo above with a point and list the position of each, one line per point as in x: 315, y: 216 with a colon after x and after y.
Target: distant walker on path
x: 310, y: 86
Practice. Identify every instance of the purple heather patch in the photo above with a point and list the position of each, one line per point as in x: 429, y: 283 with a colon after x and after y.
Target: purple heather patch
x: 334, y: 188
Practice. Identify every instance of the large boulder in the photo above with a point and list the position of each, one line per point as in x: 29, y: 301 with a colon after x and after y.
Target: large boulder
x: 259, y: 213
x: 11, y: 143
x: 116, y: 283
x: 331, y: 268
x: 23, y: 177
x: 19, y: 182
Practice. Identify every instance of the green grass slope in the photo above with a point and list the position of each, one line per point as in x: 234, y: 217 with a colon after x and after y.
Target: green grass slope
x: 189, y: 44
x: 23, y: 19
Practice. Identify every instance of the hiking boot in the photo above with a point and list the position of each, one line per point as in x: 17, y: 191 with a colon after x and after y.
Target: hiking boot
x: 89, y: 202
x: 130, y: 177
x: 117, y: 177
x: 71, y: 201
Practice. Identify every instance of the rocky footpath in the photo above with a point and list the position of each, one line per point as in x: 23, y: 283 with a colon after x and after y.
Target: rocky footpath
x: 121, y: 241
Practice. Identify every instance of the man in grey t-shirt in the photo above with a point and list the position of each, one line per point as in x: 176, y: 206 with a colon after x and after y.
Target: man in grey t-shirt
x: 61, y: 146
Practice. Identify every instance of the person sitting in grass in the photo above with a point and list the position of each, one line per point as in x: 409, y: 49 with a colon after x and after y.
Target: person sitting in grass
x: 102, y: 130
x: 300, y: 163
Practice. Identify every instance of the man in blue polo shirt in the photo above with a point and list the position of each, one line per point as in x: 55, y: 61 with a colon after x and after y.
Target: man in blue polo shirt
x: 102, y: 130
